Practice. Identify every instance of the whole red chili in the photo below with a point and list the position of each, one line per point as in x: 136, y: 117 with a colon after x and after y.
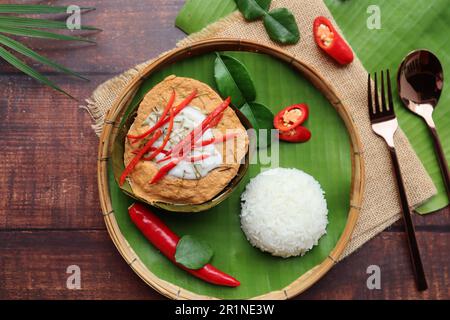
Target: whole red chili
x: 330, y: 41
x: 166, y: 241
x: 298, y: 134
x: 291, y: 117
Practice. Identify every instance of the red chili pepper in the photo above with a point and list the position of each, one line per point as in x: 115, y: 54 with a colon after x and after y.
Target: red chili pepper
x: 298, y: 134
x: 329, y: 40
x: 163, y: 119
x: 138, y: 157
x: 291, y: 117
x: 166, y: 241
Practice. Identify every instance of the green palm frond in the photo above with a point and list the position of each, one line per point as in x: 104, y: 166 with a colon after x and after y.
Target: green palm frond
x: 31, y: 27
x: 39, y: 8
x: 25, y: 32
x: 11, y: 21
x: 20, y: 48
x: 14, y: 61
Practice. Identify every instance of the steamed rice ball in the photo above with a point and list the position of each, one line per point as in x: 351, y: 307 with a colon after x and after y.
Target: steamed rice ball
x: 284, y: 212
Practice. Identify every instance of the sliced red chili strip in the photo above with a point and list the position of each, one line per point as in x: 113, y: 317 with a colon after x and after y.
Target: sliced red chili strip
x: 164, y: 170
x: 217, y: 140
x: 166, y: 138
x: 194, y: 135
x: 199, y: 157
x: 198, y: 132
x: 165, y: 152
x: 205, y: 143
x: 190, y: 159
x: 330, y: 41
x: 166, y: 242
x: 137, y: 158
x: 215, y: 122
x: 158, y: 123
x: 162, y: 121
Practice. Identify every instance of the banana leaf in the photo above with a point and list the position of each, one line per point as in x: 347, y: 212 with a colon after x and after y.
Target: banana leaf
x: 327, y: 156
x: 117, y: 160
x: 405, y: 26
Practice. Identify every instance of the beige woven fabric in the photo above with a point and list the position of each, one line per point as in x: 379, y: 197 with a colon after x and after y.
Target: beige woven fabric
x: 381, y: 205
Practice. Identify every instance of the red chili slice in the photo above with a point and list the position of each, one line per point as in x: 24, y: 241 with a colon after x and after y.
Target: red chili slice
x: 330, y: 41
x: 298, y: 134
x: 291, y: 117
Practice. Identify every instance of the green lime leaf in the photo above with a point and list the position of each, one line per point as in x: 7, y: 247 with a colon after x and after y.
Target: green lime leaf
x: 233, y: 80
x: 253, y: 9
x: 281, y: 26
x: 193, y: 253
x: 261, y: 118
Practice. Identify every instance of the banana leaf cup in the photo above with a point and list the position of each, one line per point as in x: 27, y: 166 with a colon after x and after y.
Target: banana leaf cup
x: 117, y: 159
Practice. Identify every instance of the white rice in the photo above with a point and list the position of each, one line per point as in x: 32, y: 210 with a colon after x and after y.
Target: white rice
x: 284, y: 212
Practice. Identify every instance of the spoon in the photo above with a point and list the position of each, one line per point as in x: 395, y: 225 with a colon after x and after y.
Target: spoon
x: 420, y: 81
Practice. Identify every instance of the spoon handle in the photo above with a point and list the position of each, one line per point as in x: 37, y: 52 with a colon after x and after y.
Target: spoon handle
x: 442, y: 161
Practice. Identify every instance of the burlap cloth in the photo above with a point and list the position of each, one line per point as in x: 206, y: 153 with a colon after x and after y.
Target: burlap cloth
x: 381, y: 205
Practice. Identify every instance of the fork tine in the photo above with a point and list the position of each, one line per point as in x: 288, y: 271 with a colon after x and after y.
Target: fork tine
x: 369, y: 96
x: 391, y: 103
x: 377, y: 100
x: 383, y: 94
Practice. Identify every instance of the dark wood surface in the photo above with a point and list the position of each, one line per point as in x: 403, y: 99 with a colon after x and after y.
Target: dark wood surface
x: 50, y: 215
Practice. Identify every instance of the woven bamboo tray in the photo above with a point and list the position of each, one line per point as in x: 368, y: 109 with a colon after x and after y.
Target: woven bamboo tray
x: 107, y: 138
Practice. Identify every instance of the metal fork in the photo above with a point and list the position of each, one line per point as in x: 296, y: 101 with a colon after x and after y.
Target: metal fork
x: 384, y: 123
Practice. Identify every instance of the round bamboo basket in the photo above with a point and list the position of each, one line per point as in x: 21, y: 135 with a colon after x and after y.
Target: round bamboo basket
x: 107, y: 138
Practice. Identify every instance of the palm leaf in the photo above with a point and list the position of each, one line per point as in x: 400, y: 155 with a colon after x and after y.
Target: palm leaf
x: 29, y: 27
x: 14, y: 61
x: 17, y: 46
x: 10, y: 21
x: 24, y: 8
x: 40, y: 34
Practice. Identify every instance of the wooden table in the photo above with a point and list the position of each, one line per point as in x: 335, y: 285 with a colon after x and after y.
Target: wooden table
x: 50, y: 215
